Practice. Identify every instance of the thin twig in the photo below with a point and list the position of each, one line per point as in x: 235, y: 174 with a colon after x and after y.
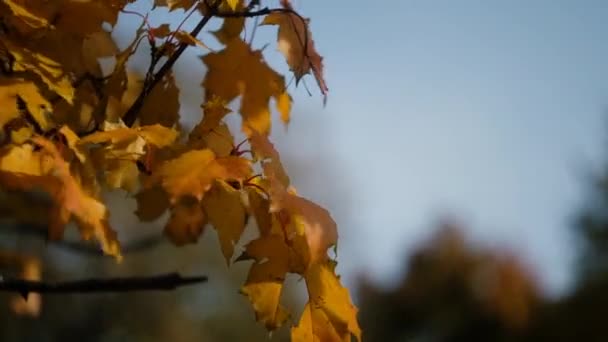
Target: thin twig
x: 164, y: 282
x: 131, y: 115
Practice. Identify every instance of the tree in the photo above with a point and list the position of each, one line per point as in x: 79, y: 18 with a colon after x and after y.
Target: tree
x: 72, y: 131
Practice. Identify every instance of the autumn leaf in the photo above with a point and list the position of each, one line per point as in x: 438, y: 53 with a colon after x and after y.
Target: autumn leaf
x: 47, y: 170
x: 156, y: 135
x: 193, y: 173
x: 186, y: 223
x: 310, y: 220
x: 329, y: 315
x: 162, y: 104
x: 231, y: 27
x: 227, y: 214
x: 50, y: 71
x: 90, y: 214
x: 265, y: 280
x: 295, y: 42
x: 238, y: 70
x: 174, y: 4
x: 269, y: 157
x: 13, y: 90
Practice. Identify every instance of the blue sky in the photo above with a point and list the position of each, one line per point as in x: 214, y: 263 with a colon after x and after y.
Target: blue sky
x: 493, y: 112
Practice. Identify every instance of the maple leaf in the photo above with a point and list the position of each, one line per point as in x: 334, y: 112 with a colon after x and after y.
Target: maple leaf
x: 329, y: 315
x: 265, y: 279
x: 174, y: 4
x: 162, y: 104
x: 309, y: 219
x: 193, y: 173
x: 270, y: 159
x: 50, y: 71
x: 295, y: 42
x: 157, y: 135
x: 231, y: 27
x: 13, y: 90
x: 227, y: 214
x: 186, y: 223
x: 89, y: 213
x: 47, y: 170
x: 238, y: 70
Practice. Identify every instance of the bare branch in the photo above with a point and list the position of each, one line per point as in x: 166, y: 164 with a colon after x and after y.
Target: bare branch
x: 131, y: 115
x: 164, y: 282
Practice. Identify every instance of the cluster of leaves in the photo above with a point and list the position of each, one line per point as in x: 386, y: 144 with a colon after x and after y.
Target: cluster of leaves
x: 70, y: 131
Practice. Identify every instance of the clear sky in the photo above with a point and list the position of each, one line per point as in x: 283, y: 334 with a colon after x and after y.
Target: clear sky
x: 493, y: 111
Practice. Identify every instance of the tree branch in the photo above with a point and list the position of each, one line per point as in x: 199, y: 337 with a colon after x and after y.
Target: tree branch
x: 131, y: 115
x: 165, y: 282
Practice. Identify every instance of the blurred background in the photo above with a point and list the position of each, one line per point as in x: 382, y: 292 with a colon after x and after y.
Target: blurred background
x: 462, y: 152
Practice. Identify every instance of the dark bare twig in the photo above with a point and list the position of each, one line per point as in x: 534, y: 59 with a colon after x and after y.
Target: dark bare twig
x: 164, y: 282
x: 131, y: 115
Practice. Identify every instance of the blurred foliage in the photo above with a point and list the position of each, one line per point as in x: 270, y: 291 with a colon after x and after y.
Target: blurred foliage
x: 454, y: 291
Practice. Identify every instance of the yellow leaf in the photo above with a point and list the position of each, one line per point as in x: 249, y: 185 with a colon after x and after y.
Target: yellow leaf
x: 231, y: 27
x: 21, y: 135
x: 329, y: 315
x: 90, y: 214
x: 12, y: 89
x: 50, y: 71
x: 157, y: 135
x: 174, y: 4
x: 22, y: 159
x: 238, y: 70
x: 311, y: 220
x: 295, y: 42
x: 265, y: 280
x: 264, y: 150
x: 233, y: 4
x: 193, y: 173
x: 72, y: 141
x: 161, y: 106
x: 186, y: 223
x: 187, y: 38
x: 226, y: 213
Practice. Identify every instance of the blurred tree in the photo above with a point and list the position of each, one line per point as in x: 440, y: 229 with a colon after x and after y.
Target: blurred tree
x: 452, y: 292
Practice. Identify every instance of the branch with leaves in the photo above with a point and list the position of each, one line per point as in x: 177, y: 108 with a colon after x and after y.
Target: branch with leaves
x: 72, y: 138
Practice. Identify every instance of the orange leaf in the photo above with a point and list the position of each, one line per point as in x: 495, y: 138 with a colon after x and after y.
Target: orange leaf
x: 227, y: 214
x: 238, y: 70
x: 296, y: 44
x: 193, y: 173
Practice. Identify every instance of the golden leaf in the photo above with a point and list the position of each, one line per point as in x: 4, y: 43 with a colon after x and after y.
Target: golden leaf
x: 226, y: 213
x: 238, y: 70
x: 50, y: 71
x: 295, y: 42
x: 271, y: 162
x: 231, y: 27
x: 72, y: 200
x: 265, y: 280
x: 193, y: 173
x: 157, y: 135
x: 329, y: 314
x: 174, y: 4
x: 186, y: 223
x: 311, y: 220
x: 12, y: 89
x: 161, y: 106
